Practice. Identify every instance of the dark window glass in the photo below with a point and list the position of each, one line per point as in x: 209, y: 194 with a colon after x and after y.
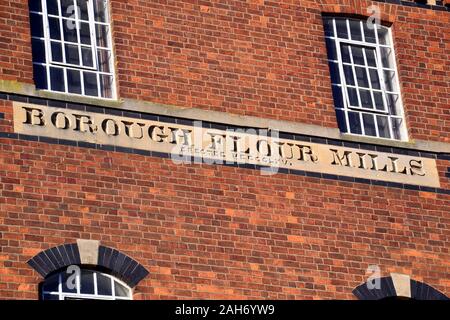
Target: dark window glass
x: 341, y: 28
x: 87, y: 282
x: 103, y: 60
x: 68, y: 279
x: 100, y: 10
x: 57, y: 79
x: 106, y: 86
x: 40, y: 76
x: 340, y: 116
x: 51, y: 283
x: 72, y: 54
x: 345, y: 53
x: 361, y: 76
x: 90, y: 84
x: 331, y: 49
x: 57, y: 55
x: 378, y: 96
x: 52, y: 7
x: 334, y: 72
x: 35, y: 5
x: 353, y: 97
x: 383, y: 127
x: 103, y: 285
x: 355, y: 123
x: 68, y: 9
x: 70, y: 30
x: 101, y: 33
x: 369, y: 32
x: 83, y: 9
x: 355, y: 30
x: 37, y: 29
x: 370, y: 56
x: 74, y: 83
x: 337, y: 96
x: 358, y: 57
x: 87, y: 57
x: 328, y: 27
x: 38, y: 49
x: 374, y: 79
x: 348, y: 72
x: 85, y: 33
x: 366, y: 98
x: 55, y: 30
x: 369, y: 124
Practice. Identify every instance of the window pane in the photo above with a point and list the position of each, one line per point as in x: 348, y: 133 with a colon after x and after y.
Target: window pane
x: 35, y: 5
x: 369, y: 124
x: 87, y: 56
x: 345, y: 53
x: 51, y: 284
x: 369, y: 31
x: 52, y: 7
x: 366, y: 99
x: 374, y: 79
x: 57, y: 79
x: 383, y: 35
x: 383, y: 127
x: 68, y: 9
x: 331, y: 49
x: 355, y: 122
x: 87, y: 282
x: 370, y: 56
x: 378, y: 96
x: 348, y: 72
x: 70, y: 30
x: 361, y: 76
x: 328, y: 27
x: 341, y: 28
x: 40, y: 76
x: 55, y: 30
x: 389, y: 81
x: 340, y: 116
x: 353, y: 97
x: 386, y: 57
x: 101, y: 33
x: 90, y: 84
x: 358, y: 57
x: 355, y: 30
x: 73, y: 81
x: 106, y: 86
x: 85, y: 33
x: 57, y: 55
x: 68, y: 281
x: 38, y: 50
x: 37, y: 29
x: 337, y: 96
x: 120, y: 290
x: 104, y: 57
x: 396, y: 127
x: 100, y: 10
x: 103, y: 285
x: 72, y: 54
x: 83, y: 9
x: 393, y: 104
x: 334, y: 73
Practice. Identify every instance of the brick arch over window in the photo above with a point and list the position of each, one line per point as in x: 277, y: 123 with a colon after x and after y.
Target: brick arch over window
x: 398, y: 285
x: 89, y: 252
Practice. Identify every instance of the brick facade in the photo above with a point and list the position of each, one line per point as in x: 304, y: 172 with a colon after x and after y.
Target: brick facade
x: 227, y: 232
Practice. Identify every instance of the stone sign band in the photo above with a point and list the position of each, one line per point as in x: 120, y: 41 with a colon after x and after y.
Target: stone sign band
x: 251, y: 146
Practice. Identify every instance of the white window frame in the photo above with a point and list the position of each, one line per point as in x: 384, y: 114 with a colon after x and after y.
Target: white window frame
x: 78, y: 295
x: 94, y: 49
x: 380, y: 71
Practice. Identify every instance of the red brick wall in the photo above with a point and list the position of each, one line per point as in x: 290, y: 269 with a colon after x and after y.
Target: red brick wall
x: 213, y: 231
x: 253, y: 57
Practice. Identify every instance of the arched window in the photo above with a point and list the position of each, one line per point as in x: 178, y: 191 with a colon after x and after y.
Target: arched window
x: 84, y: 284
